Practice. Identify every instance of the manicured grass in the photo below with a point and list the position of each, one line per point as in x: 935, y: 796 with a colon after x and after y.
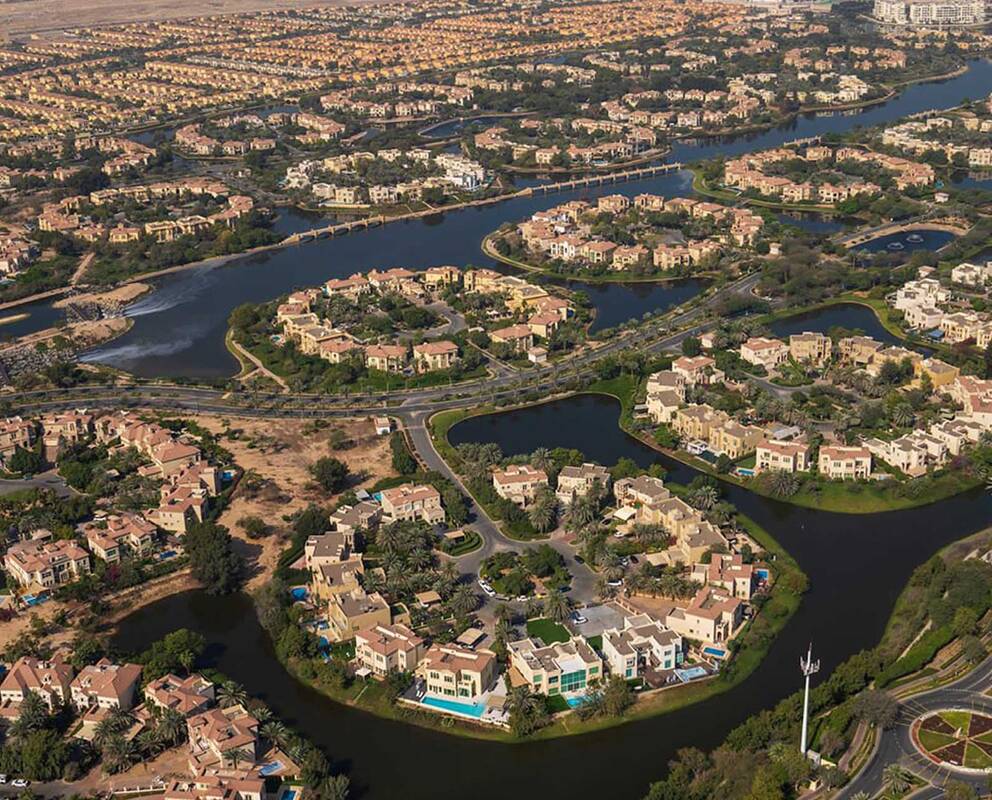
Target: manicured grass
x: 548, y: 631
x: 959, y: 720
x: 932, y: 740
x: 557, y: 703
x: 596, y: 643
x: 976, y: 758
x: 472, y: 542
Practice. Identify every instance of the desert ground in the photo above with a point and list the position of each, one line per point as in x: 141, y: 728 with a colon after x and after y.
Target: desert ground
x: 44, y: 16
x: 281, y: 454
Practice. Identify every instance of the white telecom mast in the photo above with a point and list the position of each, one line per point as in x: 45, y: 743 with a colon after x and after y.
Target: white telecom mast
x: 809, y: 668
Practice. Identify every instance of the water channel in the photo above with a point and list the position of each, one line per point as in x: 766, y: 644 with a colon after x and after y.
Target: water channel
x: 179, y: 329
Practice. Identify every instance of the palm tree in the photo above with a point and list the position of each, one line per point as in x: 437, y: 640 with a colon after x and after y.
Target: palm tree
x: 231, y: 694
x: 276, y: 733
x: 543, y: 512
x: 463, y: 601
x: 556, y: 606
x: 171, y: 726
x: 896, y: 778
x: 263, y: 714
x: 232, y: 755
x: 334, y: 787
x: 32, y: 717
x: 902, y: 415
x: 119, y: 754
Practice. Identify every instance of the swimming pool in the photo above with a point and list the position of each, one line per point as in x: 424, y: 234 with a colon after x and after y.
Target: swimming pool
x: 270, y: 768
x: 575, y: 702
x: 289, y: 794
x: 299, y: 593
x: 716, y: 652
x: 690, y: 674
x: 474, y: 710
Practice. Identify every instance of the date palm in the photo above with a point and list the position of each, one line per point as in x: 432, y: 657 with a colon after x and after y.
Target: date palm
x: 231, y: 694
x: 556, y: 606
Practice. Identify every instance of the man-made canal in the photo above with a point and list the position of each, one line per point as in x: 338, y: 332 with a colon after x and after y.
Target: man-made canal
x: 857, y: 567
x: 179, y: 329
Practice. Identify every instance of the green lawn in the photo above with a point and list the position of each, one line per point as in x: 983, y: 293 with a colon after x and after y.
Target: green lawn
x: 931, y: 740
x: 547, y: 631
x: 959, y: 720
x: 976, y: 758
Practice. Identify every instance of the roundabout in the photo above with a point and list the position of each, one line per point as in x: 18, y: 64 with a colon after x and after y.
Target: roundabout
x: 956, y: 738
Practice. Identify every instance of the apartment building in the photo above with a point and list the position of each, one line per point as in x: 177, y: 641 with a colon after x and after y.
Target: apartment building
x: 562, y: 668
x: 519, y: 483
x: 385, y: 649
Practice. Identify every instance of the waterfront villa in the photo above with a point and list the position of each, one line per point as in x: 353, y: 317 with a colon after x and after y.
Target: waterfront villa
x: 187, y: 696
x: 105, y: 685
x: 355, y: 610
x: 845, y: 463
x: 565, y: 668
x: 455, y: 672
x: 775, y: 454
x: 642, y: 645
x: 384, y: 649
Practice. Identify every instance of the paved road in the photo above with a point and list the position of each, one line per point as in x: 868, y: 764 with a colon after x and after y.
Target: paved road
x: 653, y: 337
x: 583, y: 579
x: 896, y: 746
x: 43, y: 480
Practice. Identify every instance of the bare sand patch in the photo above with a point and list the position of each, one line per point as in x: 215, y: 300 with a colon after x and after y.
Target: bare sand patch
x: 281, y: 452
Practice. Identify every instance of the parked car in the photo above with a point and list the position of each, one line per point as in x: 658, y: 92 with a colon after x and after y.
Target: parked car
x: 3, y: 779
x: 614, y: 583
x: 578, y: 618
x: 20, y: 783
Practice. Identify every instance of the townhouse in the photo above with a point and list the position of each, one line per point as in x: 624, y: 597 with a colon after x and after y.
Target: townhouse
x: 785, y: 456
x: 764, y: 352
x: 713, y: 617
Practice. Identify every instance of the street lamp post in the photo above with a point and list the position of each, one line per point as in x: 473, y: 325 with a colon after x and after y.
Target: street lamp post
x: 809, y: 667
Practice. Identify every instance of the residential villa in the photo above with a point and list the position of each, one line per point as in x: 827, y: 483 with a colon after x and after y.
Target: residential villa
x: 775, y: 454
x: 186, y: 696
x: 764, y: 352
x: 519, y: 483
x: 845, y: 463
x: 38, y: 564
x: 713, y: 617
x: 105, y: 685
x: 814, y: 348
x: 410, y: 502
x: 579, y: 481
x: 50, y: 680
x: 643, y: 644
x: 356, y: 610
x: 384, y: 649
x: 216, y: 735
x: 729, y: 572
x: 450, y: 671
x: 565, y: 668
x: 117, y: 536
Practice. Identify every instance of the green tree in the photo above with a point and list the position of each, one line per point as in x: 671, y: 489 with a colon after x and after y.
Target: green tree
x: 330, y: 473
x: 212, y: 559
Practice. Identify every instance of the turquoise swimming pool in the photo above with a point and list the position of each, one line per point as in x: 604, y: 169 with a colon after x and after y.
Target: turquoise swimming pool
x: 475, y: 710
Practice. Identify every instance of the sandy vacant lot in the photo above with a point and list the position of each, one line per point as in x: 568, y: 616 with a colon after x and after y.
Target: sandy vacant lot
x: 281, y: 451
x: 36, y: 16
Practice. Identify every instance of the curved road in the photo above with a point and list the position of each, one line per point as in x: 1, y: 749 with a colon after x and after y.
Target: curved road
x: 896, y: 747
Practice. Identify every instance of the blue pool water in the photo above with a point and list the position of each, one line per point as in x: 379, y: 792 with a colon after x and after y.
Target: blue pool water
x: 270, y: 768
x: 690, y: 674
x: 289, y: 794
x: 465, y: 709
x: 166, y: 555
x: 299, y: 593
x: 574, y: 702
x: 716, y: 652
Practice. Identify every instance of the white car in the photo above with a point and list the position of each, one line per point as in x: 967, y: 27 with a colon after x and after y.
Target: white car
x: 20, y: 783
x: 614, y: 583
x: 578, y: 618
x: 3, y: 779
